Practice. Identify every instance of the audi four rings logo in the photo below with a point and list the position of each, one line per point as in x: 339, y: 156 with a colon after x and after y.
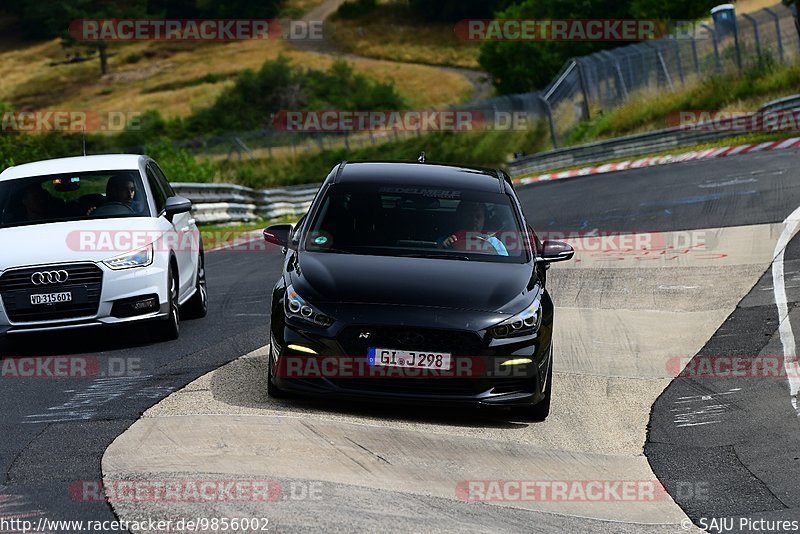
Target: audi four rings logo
x: 49, y: 277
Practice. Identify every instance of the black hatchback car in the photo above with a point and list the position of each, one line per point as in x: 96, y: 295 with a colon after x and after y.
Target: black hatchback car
x: 417, y: 283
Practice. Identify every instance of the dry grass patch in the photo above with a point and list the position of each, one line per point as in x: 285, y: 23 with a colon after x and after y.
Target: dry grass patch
x: 29, y: 81
x: 393, y: 32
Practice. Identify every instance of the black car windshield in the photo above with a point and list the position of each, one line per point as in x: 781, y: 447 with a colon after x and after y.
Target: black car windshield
x: 72, y: 197
x: 446, y: 223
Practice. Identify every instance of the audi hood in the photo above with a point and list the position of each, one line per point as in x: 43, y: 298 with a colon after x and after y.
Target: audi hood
x: 74, y: 241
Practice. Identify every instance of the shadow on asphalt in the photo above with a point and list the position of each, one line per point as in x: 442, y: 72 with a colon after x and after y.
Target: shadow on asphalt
x: 243, y: 383
x: 79, y: 341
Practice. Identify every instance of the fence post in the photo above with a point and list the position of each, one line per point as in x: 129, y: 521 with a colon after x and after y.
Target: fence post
x: 549, y: 111
x: 622, y: 90
x: 584, y: 91
x: 754, y: 22
x: 694, y: 56
x: 736, y: 43
x: 680, y: 63
x: 716, y: 46
x: 645, y: 68
x: 777, y: 20
x: 663, y: 64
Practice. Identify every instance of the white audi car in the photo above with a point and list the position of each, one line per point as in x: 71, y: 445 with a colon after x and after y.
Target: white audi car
x: 97, y: 240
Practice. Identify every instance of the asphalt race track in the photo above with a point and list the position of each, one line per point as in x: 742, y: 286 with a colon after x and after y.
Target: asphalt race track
x: 627, y: 322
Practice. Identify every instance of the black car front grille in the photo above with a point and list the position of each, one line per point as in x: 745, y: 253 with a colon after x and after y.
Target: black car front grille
x: 85, y: 280
x: 356, y: 340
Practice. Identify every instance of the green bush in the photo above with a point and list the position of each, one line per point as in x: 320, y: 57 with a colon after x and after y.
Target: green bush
x: 180, y: 165
x: 279, y: 85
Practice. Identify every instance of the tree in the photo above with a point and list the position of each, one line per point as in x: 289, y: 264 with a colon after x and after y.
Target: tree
x: 48, y: 18
x: 521, y: 66
x: 455, y: 10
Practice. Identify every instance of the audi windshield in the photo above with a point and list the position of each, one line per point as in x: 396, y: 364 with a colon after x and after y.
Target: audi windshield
x: 71, y: 197
x: 376, y: 219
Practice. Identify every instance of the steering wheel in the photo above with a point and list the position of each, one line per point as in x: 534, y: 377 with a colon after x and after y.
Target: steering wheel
x: 462, y: 243
x: 113, y: 208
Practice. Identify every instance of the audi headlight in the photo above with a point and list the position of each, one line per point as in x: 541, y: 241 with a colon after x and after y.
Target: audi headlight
x: 524, y: 323
x: 297, y: 308
x: 137, y: 258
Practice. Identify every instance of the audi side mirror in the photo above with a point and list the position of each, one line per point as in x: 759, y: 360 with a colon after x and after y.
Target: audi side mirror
x: 176, y: 205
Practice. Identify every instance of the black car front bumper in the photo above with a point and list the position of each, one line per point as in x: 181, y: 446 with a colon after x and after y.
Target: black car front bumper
x: 340, y: 367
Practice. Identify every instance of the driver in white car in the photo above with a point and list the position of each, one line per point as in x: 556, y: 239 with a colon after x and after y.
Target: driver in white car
x: 122, y: 190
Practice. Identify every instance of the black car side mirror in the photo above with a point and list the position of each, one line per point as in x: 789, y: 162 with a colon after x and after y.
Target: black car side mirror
x: 278, y: 234
x: 176, y: 205
x: 553, y: 251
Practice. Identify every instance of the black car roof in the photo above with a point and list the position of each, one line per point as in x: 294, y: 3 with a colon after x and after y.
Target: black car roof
x: 420, y: 174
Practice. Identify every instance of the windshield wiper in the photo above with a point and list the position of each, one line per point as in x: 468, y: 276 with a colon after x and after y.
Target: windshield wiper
x: 333, y: 249
x: 435, y: 256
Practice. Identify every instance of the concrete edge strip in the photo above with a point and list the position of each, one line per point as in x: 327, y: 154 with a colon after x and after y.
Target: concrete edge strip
x: 794, y: 142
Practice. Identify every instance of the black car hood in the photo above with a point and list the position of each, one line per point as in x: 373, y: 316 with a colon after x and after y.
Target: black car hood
x: 467, y: 285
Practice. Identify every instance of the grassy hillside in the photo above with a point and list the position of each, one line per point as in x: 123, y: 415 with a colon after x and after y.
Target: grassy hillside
x: 177, y: 78
x: 392, y: 31
x: 649, y: 110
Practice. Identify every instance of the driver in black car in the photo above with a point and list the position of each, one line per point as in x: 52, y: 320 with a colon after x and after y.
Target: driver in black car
x: 120, y: 189
x: 471, y: 218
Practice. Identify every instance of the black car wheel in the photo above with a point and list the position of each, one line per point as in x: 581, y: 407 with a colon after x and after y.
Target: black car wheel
x: 169, y: 328
x: 197, y: 307
x: 272, y: 390
x: 541, y: 410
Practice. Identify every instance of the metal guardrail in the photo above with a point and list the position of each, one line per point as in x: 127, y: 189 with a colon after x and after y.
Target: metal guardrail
x: 636, y: 145
x: 220, y: 203
x: 788, y: 103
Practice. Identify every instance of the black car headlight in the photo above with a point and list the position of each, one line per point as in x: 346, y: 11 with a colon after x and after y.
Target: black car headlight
x: 297, y: 308
x: 524, y: 323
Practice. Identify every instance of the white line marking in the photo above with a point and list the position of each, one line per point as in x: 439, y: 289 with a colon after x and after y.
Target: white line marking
x: 791, y: 226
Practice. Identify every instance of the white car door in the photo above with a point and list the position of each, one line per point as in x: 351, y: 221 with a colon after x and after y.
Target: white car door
x: 184, y: 235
